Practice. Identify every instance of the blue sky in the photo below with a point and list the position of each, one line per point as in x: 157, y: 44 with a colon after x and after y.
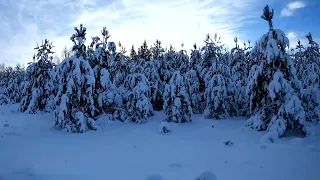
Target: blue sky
x: 23, y: 23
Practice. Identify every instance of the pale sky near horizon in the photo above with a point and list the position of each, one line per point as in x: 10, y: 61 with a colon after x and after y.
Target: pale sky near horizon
x: 26, y: 22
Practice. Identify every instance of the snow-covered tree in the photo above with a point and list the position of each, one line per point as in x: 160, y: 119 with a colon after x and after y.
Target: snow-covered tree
x: 14, y: 87
x: 144, y: 52
x: 195, y: 59
x: 75, y: 108
x: 79, y: 38
x: 273, y: 86
x: 193, y: 88
x: 311, y: 94
x: 106, y: 96
x: 181, y: 61
x: 211, y: 52
x: 310, y: 76
x: 167, y: 68
x: 38, y: 88
x: 155, y: 83
x: 215, y: 96
x: 133, y: 53
x: 177, y: 105
x: 239, y: 73
x: 157, y: 51
x: 137, y: 104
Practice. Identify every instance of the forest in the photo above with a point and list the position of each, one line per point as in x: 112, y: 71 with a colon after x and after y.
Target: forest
x: 276, y: 87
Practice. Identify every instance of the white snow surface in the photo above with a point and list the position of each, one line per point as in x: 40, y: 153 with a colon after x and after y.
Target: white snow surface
x: 32, y: 148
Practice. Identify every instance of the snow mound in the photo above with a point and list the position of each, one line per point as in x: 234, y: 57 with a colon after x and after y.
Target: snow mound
x: 164, y: 127
x: 155, y: 177
x: 206, y: 175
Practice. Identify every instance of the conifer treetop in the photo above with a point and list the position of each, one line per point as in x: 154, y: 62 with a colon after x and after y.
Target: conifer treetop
x: 268, y: 16
x: 79, y: 39
x: 44, y: 51
x: 105, y: 34
x: 311, y: 41
x: 79, y: 36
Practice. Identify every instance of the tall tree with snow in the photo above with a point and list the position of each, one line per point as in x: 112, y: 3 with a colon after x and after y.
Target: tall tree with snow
x: 195, y: 59
x: 311, y: 81
x: 15, y: 85
x: 133, y: 53
x: 215, y: 96
x: 105, y: 94
x: 37, y: 93
x: 144, y: 52
x: 137, y: 104
x: 177, y: 105
x: 167, y: 67
x: 273, y: 86
x: 75, y: 108
x: 193, y: 88
x: 155, y: 83
x: 239, y: 73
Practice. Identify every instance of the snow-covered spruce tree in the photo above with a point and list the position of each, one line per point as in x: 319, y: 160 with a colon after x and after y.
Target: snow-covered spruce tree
x: 5, y: 76
x: 195, y: 64
x: 37, y: 93
x: 223, y: 67
x: 144, y: 52
x: 209, y: 65
x: 14, y: 88
x: 311, y: 94
x: 195, y: 59
x: 215, y: 96
x: 5, y: 73
x: 105, y: 94
x: 181, y: 61
x: 272, y: 87
x: 117, y: 65
x: 193, y: 88
x: 155, y: 83
x: 300, y: 61
x: 133, y: 53
x: 152, y: 71
x: 311, y: 81
x: 211, y: 53
x: 177, y: 105
x: 137, y: 104
x: 239, y: 73
x: 74, y: 101
x: 167, y: 68
x: 157, y: 53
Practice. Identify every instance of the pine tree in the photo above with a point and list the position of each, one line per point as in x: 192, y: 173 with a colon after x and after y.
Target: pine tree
x: 79, y: 39
x: 137, y: 104
x: 14, y: 87
x: 37, y: 93
x: 215, y: 96
x: 193, y: 88
x: 273, y: 87
x: 155, y: 83
x: 310, y: 75
x: 167, y: 67
x: 133, y: 54
x: 239, y: 75
x: 144, y: 52
x: 75, y: 108
x: 105, y: 93
x: 177, y: 105
x: 195, y: 59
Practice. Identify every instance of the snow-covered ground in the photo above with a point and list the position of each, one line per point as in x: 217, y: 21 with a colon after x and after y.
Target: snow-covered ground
x: 32, y: 148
